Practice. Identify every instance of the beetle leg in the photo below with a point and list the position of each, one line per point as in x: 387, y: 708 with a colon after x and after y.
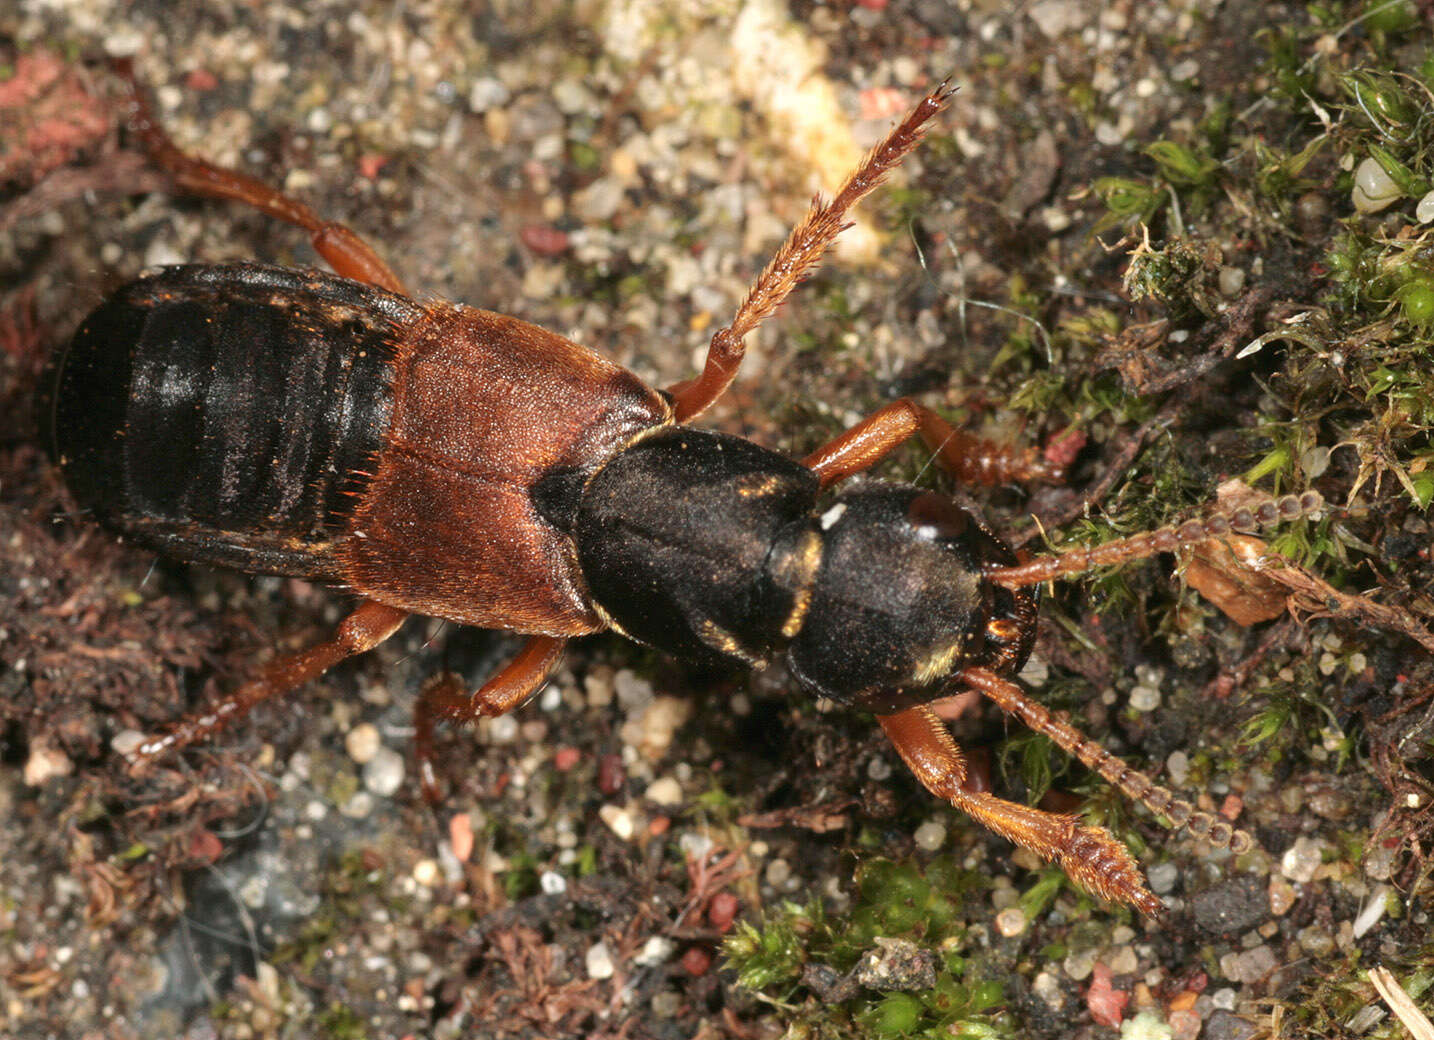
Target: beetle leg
x: 444, y: 698
x: 370, y: 624
x: 1089, y: 855
x: 345, y: 252
x: 1131, y: 782
x: 798, y: 255
x: 972, y: 460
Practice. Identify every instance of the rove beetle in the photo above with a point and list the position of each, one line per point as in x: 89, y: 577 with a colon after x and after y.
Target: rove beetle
x: 437, y: 459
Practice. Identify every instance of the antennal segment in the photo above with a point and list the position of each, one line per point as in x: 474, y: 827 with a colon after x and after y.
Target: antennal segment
x: 1166, y: 539
x: 1130, y: 781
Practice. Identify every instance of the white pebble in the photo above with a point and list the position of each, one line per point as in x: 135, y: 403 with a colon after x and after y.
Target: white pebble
x: 1301, y: 860
x: 655, y: 951
x: 383, y: 773
x: 599, y: 961
x: 552, y: 883
x: 1011, y: 921
x: 1163, y: 877
x: 664, y: 791
x: 619, y: 820
x: 126, y: 742
x: 44, y: 763
x: 503, y: 730
x: 930, y: 836
x: 777, y: 873
x: 362, y: 742
x: 1144, y: 698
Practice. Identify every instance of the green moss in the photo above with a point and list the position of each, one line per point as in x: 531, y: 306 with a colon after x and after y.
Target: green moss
x: 892, y: 900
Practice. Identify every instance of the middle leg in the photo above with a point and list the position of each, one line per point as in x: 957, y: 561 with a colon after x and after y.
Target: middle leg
x: 445, y: 698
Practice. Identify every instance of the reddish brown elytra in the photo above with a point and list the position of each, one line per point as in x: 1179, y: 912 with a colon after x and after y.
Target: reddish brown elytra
x: 437, y: 459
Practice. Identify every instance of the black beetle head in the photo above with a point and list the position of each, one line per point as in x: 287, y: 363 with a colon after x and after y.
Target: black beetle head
x: 901, y: 604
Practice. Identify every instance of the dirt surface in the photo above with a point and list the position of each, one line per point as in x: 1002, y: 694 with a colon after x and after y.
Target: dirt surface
x: 618, y: 172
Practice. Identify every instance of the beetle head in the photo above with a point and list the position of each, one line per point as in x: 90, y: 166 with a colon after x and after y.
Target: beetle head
x: 901, y: 604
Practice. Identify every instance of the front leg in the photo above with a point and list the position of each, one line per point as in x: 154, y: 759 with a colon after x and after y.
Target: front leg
x: 1089, y: 855
x: 970, y: 459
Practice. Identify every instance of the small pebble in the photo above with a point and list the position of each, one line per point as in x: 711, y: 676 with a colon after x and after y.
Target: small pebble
x: 1163, y: 877
x: 619, y: 820
x: 362, y: 742
x: 1184, y: 1024
x: 44, y: 763
x: 930, y: 836
x: 358, y: 806
x: 552, y: 883
x: 655, y: 951
x: 1282, y: 896
x: 1301, y: 860
x: 1184, y: 70
x: 1144, y: 698
x: 460, y: 836
x: 502, y: 730
x: 1231, y: 280
x: 1379, y: 861
x: 878, y: 769
x: 1079, y: 965
x: 427, y: 872
x: 383, y: 773
x: 1250, y: 966
x: 598, y: 684
x: 1177, y: 766
x: 632, y: 690
x: 1121, y: 960
x: 664, y: 791
x: 1048, y: 988
x: 1011, y: 922
x: 599, y: 961
x: 126, y: 742
x: 777, y: 873
x: 1316, y: 941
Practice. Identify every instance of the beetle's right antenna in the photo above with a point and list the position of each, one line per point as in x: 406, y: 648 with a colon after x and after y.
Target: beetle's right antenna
x: 1166, y: 539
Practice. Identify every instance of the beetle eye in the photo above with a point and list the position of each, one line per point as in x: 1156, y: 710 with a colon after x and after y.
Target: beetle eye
x: 937, y: 517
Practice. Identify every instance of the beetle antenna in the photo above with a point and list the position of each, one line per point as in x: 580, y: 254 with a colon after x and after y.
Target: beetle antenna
x: 1166, y: 539
x: 1130, y: 781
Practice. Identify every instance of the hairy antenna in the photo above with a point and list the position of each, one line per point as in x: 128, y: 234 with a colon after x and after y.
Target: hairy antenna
x: 1166, y: 539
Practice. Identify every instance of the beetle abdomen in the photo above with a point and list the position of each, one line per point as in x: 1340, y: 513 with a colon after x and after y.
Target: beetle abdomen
x: 229, y: 413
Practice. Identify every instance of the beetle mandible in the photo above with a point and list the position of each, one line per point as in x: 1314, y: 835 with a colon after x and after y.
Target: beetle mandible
x: 442, y: 460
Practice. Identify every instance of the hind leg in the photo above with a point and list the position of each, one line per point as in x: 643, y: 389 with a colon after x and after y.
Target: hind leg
x: 344, y: 251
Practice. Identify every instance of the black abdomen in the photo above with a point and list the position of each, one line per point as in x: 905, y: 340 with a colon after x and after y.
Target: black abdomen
x: 228, y: 413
